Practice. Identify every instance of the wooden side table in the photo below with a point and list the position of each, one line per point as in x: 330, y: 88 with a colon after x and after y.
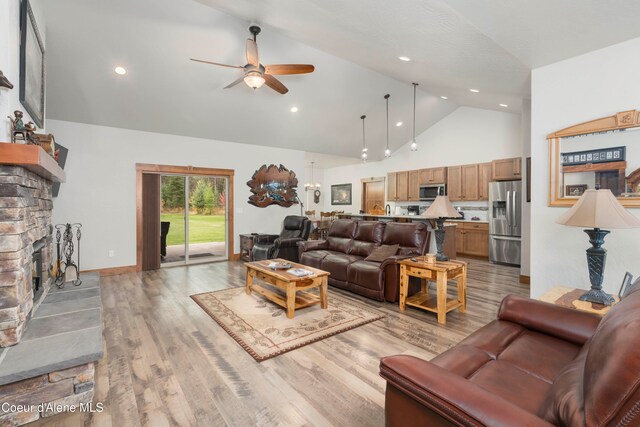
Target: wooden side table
x: 246, y: 246
x: 441, y: 272
x: 570, y: 298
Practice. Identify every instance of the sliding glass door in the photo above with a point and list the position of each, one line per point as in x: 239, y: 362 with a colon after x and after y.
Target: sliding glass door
x: 193, y: 217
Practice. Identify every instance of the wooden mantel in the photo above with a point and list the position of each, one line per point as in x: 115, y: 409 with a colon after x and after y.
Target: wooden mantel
x: 31, y: 157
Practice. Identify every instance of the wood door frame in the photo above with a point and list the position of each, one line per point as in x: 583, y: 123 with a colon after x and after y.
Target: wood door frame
x: 147, y: 168
x: 363, y: 186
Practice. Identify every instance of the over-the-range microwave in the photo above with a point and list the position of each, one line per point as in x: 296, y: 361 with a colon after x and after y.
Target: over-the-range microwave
x: 428, y: 193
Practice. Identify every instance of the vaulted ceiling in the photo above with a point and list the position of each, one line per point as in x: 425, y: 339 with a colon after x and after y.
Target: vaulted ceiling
x: 454, y: 45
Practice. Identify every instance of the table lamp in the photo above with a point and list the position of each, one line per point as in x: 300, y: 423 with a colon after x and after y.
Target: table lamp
x: 598, y: 210
x: 440, y: 210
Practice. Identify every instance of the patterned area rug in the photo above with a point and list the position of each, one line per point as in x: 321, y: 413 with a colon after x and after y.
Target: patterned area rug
x: 263, y: 330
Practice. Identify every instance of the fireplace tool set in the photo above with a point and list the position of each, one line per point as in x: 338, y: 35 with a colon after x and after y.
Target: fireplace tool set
x: 66, y: 270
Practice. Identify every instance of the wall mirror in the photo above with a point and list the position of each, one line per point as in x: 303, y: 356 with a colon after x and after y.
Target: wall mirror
x: 602, y: 153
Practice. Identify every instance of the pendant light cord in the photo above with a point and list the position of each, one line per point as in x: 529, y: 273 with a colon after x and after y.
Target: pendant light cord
x: 363, y: 139
x: 387, y: 99
x: 415, y: 85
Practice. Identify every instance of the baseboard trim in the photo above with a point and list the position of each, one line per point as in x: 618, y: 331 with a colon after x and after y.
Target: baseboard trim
x: 525, y: 279
x: 478, y: 257
x: 113, y: 271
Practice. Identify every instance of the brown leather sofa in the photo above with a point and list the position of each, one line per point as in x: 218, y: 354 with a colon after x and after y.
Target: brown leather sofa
x: 350, y: 241
x: 538, y: 364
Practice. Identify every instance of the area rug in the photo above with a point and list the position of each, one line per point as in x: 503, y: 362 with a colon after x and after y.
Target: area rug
x: 263, y: 330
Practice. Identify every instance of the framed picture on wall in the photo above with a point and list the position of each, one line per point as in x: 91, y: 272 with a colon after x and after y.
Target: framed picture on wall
x: 341, y: 194
x: 32, y: 70
x: 575, y: 190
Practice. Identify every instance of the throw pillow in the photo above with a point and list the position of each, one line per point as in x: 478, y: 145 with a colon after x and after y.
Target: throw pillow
x: 383, y: 252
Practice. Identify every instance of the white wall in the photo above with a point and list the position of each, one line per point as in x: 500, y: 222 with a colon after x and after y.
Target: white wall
x: 10, y: 59
x: 467, y: 135
x: 576, y: 90
x: 100, y: 191
x: 525, y: 255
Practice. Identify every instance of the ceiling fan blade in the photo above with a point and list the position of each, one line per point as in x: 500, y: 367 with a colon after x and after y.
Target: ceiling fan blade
x: 275, y: 84
x: 216, y: 63
x: 234, y: 83
x: 252, y: 53
x: 282, y: 69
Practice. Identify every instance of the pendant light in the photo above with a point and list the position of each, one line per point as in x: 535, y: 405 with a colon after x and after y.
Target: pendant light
x: 387, y: 151
x: 311, y: 185
x: 414, y: 144
x: 364, y: 145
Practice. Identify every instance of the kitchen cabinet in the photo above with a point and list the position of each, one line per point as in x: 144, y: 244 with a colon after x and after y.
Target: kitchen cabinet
x: 470, y: 182
x: 507, y: 169
x: 462, y: 183
x: 459, y: 238
x: 402, y: 186
x: 485, y: 172
x: 414, y: 186
x: 391, y: 187
x: 472, y: 238
x: 398, y: 186
x: 454, y: 183
x: 433, y: 176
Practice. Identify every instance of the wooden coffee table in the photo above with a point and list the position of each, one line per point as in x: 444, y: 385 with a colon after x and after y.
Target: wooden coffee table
x: 290, y: 284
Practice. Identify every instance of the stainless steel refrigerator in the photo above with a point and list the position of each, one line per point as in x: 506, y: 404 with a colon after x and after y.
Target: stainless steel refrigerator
x: 505, y: 213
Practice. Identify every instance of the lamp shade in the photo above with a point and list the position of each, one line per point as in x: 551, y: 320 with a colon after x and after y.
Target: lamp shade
x: 441, y: 208
x: 598, y: 209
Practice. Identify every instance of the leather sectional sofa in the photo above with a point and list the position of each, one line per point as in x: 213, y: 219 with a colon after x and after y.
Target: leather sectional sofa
x: 538, y: 364
x: 350, y: 241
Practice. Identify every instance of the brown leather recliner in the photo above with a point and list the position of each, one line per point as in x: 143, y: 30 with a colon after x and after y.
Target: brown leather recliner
x: 349, y: 242
x: 268, y: 246
x: 538, y: 364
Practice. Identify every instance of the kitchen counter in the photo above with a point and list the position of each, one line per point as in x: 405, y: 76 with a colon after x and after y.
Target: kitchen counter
x: 385, y: 217
x: 468, y: 220
x: 411, y: 217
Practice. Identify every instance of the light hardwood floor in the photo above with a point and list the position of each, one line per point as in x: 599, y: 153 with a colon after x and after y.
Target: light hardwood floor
x: 168, y: 363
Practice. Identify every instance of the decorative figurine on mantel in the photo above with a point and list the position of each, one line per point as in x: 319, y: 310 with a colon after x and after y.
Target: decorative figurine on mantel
x: 18, y: 128
x: 4, y: 82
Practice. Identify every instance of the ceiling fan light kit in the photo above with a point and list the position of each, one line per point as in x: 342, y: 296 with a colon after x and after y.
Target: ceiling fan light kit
x: 255, y: 74
x: 254, y: 79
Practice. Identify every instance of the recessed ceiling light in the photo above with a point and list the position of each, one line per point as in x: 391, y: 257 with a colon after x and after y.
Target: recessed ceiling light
x: 294, y: 109
x: 444, y: 97
x: 120, y: 70
x: 474, y: 90
x: 503, y: 105
x: 404, y: 58
x: 399, y: 124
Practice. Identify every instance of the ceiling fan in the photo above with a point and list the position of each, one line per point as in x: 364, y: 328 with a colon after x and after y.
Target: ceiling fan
x: 256, y: 74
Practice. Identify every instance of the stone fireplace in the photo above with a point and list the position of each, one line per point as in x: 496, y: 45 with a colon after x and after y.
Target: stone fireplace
x: 25, y: 247
x: 50, y: 337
